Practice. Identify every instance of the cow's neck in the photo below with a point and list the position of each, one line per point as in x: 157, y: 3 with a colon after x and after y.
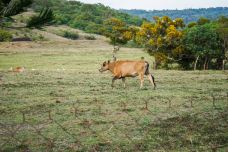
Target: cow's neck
x: 111, y: 67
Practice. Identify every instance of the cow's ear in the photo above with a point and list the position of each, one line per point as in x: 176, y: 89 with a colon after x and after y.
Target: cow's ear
x: 108, y: 61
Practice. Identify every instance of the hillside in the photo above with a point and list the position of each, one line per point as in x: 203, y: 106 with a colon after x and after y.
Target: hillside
x: 19, y: 31
x: 189, y: 15
x: 86, y: 17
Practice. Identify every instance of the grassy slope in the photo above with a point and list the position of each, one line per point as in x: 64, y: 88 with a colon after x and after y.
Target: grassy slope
x: 50, y: 33
x: 62, y: 75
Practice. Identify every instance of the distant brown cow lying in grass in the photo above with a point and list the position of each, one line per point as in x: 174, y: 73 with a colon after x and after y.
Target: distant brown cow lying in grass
x: 123, y: 69
x: 17, y: 69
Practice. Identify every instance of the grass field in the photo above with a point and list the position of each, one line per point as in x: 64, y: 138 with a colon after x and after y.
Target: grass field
x: 62, y: 103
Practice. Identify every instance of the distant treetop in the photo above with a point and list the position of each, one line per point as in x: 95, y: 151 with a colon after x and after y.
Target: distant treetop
x: 189, y: 15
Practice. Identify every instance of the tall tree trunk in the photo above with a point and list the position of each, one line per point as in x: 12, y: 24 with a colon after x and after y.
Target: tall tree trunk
x: 195, y: 63
x: 223, y: 64
x: 208, y: 61
x: 155, y: 65
x: 205, y: 63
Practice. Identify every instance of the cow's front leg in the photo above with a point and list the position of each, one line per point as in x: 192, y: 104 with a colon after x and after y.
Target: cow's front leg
x: 141, y: 77
x: 113, y: 80
x: 124, y: 84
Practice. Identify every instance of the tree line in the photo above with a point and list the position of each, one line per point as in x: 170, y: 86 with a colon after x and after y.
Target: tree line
x: 188, y: 15
x: 197, y: 45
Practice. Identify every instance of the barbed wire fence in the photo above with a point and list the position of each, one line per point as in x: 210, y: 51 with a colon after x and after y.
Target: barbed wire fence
x: 127, y: 126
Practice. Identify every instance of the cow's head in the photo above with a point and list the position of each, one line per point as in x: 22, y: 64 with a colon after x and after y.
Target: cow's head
x: 104, y: 66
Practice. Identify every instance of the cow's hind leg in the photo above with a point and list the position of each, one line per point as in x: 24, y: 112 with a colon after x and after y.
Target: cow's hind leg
x: 152, y: 81
x: 124, y: 84
x: 113, y: 80
x: 141, y: 77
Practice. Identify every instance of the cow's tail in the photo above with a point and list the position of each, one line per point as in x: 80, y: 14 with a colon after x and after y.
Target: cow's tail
x: 147, y: 73
x: 153, y: 81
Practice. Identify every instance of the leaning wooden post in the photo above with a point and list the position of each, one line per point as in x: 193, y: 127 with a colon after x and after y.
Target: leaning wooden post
x: 23, y: 117
x: 154, y: 65
x: 99, y: 109
x: 49, y: 115
x: 191, y: 102
x: 227, y: 96
x: 146, y: 105
x: 75, y: 111
x: 213, y: 100
x: 124, y: 106
x: 98, y: 105
x: 169, y: 103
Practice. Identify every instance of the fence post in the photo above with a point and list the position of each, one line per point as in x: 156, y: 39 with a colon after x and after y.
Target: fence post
x: 213, y: 100
x: 154, y: 65
x: 124, y: 106
x: 227, y: 96
x: 98, y: 105
x: 146, y: 105
x: 75, y: 111
x: 99, y: 109
x: 191, y: 102
x: 49, y: 115
x: 23, y: 117
x: 169, y: 103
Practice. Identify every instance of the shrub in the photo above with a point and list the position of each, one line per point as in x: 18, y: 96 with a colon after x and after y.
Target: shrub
x: 39, y: 37
x: 70, y: 35
x: 90, y: 37
x: 132, y: 44
x: 45, y: 16
x: 5, y: 36
x: 32, y: 21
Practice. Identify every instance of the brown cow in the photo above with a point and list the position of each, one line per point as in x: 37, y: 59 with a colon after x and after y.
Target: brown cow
x: 123, y: 69
x: 17, y: 69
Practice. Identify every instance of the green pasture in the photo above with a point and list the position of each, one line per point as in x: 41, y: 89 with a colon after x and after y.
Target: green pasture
x: 68, y: 105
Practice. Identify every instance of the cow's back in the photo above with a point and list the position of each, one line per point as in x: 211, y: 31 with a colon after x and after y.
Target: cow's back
x: 128, y: 68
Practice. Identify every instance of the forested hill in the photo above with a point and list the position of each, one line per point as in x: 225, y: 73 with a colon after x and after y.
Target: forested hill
x: 87, y: 17
x: 189, y: 15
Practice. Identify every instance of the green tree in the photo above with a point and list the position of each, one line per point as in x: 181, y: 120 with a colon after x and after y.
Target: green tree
x: 203, y: 43
x: 192, y: 24
x: 202, y: 21
x: 116, y: 30
x: 46, y: 16
x: 13, y: 7
x: 223, y: 33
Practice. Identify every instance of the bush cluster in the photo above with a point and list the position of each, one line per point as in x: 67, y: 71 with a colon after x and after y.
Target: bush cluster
x: 90, y: 37
x: 45, y: 16
x: 5, y: 35
x: 70, y: 35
